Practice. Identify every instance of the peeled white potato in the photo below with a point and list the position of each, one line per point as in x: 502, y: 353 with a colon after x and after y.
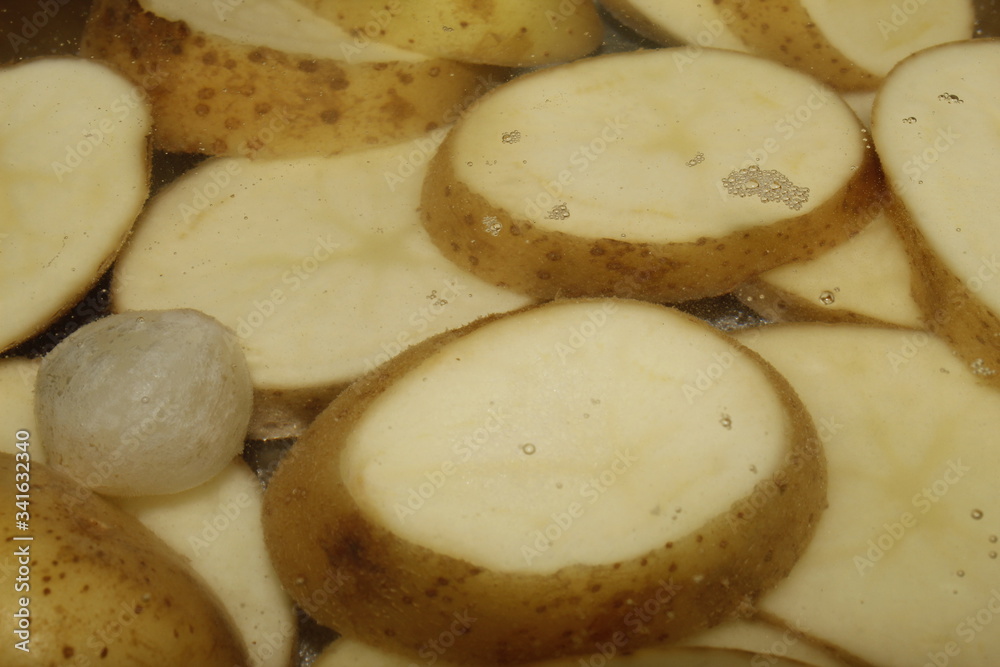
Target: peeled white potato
x: 216, y: 527
x: 935, y: 127
x: 271, y: 78
x: 584, y: 180
x: 850, y: 44
x: 144, y: 403
x: 74, y: 172
x: 903, y: 568
x: 320, y: 266
x: 564, y: 475
x: 17, y: 402
x: 865, y: 279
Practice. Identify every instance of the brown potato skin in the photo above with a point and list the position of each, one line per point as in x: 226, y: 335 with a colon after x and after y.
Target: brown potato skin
x: 549, y: 264
x: 784, y: 31
x: 398, y: 595
x: 508, y: 33
x: 210, y: 95
x: 104, y: 590
x: 951, y: 310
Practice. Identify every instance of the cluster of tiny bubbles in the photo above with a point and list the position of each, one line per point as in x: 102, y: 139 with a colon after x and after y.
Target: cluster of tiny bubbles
x: 511, y: 137
x: 910, y: 121
x: 696, y: 160
x: 767, y: 184
x: 980, y: 368
x: 492, y: 225
x: 560, y: 212
x: 950, y: 98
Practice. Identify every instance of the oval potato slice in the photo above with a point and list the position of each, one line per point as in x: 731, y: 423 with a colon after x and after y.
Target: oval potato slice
x: 528, y: 485
x: 510, y: 33
x: 907, y: 548
x: 695, y: 22
x: 75, y: 159
x: 270, y: 78
x: 319, y: 265
x: 849, y: 44
x: 729, y: 166
x: 935, y: 127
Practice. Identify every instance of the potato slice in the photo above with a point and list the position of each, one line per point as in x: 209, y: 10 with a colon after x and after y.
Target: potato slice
x: 866, y: 279
x: 17, y: 401
x: 527, y: 486
x: 510, y: 33
x: 903, y: 568
x: 217, y: 528
x: 850, y: 44
x: 757, y: 166
x: 75, y: 160
x: 270, y: 78
x: 97, y: 587
x: 935, y: 126
x: 351, y: 653
x: 695, y: 22
x: 318, y: 291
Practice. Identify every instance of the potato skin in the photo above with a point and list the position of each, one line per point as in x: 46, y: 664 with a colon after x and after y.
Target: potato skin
x: 398, y: 595
x: 103, y: 589
x: 549, y: 264
x: 210, y: 95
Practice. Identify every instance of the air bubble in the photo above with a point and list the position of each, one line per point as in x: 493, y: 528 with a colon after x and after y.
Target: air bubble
x: 528, y: 448
x: 144, y: 399
x: 511, y: 137
x: 980, y: 368
x: 696, y: 160
x: 977, y: 514
x: 726, y: 422
x: 492, y: 225
x: 560, y: 212
x: 910, y: 121
x: 993, y: 539
x: 992, y: 554
x: 960, y: 573
x: 827, y: 298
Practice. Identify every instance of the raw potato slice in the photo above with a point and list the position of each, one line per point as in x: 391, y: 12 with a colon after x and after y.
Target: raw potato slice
x: 320, y: 266
x: 728, y: 167
x: 351, y: 653
x: 74, y: 157
x: 17, y: 402
x: 850, y: 44
x: 866, y: 279
x: 769, y: 642
x: 217, y: 528
x: 270, y: 78
x: 903, y: 568
x: 511, y: 33
x: 527, y: 484
x: 695, y: 22
x: 935, y: 124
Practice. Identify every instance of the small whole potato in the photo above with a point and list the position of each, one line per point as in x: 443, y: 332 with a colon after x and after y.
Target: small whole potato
x: 144, y: 402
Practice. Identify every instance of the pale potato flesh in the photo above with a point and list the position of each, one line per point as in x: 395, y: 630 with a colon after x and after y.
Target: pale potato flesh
x: 909, y: 540
x: 17, y: 401
x: 74, y: 168
x: 575, y: 448
x: 698, y: 23
x: 864, y: 279
x: 216, y: 527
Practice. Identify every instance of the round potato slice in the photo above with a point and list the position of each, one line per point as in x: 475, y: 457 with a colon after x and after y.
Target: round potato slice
x: 511, y: 33
x: 75, y: 159
x: 850, y: 44
x: 271, y: 78
x: 320, y: 266
x: 934, y: 123
x: 913, y: 463
x: 866, y: 279
x: 584, y: 180
x: 538, y: 484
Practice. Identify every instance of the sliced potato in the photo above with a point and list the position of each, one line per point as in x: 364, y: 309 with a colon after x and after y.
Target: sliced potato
x: 352, y: 653
x: 527, y: 486
x: 768, y: 642
x: 612, y: 199
x: 320, y: 266
x: 935, y: 126
x: 511, y: 33
x: 270, y: 78
x: 97, y: 587
x: 17, y: 401
x: 903, y: 568
x: 866, y: 279
x: 75, y: 159
x: 698, y: 23
x: 850, y: 44
x: 217, y: 528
